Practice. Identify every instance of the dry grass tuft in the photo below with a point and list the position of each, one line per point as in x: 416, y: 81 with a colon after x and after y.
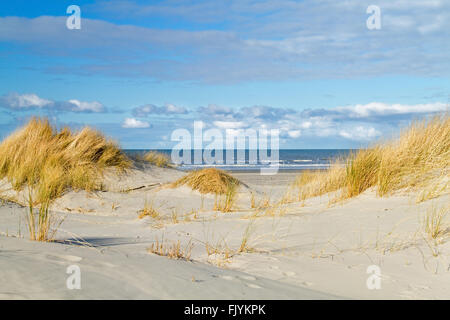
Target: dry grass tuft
x: 419, y: 156
x: 148, y: 211
x: 434, y: 223
x: 171, y: 250
x: 174, y: 216
x: 220, y: 253
x: 42, y: 225
x: 316, y: 183
x: 244, y: 247
x: 158, y: 159
x: 51, y: 161
x: 209, y: 180
x: 213, y: 181
x: 38, y: 224
x: 220, y: 249
x: 226, y: 203
x: 277, y: 209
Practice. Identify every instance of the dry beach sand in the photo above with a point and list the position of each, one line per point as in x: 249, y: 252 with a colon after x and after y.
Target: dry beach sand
x: 307, y: 250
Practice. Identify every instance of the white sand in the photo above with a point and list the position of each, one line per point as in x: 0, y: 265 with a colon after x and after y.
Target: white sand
x: 311, y: 252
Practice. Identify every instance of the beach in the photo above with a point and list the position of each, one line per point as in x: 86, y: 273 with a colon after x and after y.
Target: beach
x: 299, y: 250
x: 231, y: 151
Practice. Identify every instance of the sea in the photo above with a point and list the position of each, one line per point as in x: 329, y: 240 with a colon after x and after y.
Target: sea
x: 289, y: 159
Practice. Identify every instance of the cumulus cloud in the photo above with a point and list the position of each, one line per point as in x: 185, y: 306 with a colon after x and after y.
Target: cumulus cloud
x: 374, y: 110
x: 355, y: 122
x: 294, y: 133
x: 132, y: 123
x: 265, y: 112
x: 230, y: 124
x: 214, y: 110
x: 14, y: 100
x: 80, y: 106
x: 360, y: 133
x: 383, y: 109
x: 29, y: 101
x: 167, y: 109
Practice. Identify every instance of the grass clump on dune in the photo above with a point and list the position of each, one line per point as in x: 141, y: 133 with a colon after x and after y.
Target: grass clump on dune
x: 148, y: 211
x: 41, y: 223
x: 315, y: 183
x: 435, y: 224
x: 158, y: 159
x: 214, y: 181
x: 209, y: 180
x: 419, y: 156
x: 50, y: 161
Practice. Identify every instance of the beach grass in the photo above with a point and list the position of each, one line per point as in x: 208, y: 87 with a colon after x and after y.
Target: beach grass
x: 149, y: 211
x: 435, y: 224
x: 209, y: 180
x: 244, y: 246
x: 226, y: 202
x: 39, y: 224
x: 413, y: 160
x: 171, y: 250
x: 158, y: 159
x: 50, y: 161
x: 213, y: 181
x: 316, y: 183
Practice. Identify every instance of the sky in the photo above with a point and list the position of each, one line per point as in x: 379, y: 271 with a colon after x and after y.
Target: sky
x: 311, y: 69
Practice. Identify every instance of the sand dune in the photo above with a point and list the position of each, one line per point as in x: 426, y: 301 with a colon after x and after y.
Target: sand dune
x: 307, y: 250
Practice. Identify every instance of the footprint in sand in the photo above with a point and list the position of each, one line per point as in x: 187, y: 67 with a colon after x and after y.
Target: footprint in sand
x: 229, y: 278
x: 254, y: 286
x: 250, y: 278
x: 289, y: 273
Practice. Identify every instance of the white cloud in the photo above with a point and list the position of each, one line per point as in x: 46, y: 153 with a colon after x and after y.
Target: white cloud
x: 362, y: 122
x: 294, y: 133
x: 23, y: 101
x: 133, y: 123
x: 171, y: 108
x: 80, y: 106
x: 360, y: 133
x: 32, y: 101
x: 215, y: 110
x: 383, y: 109
x: 306, y: 124
x: 167, y: 109
x: 229, y: 124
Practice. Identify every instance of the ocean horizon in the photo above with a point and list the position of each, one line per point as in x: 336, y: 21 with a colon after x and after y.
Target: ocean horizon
x: 289, y: 159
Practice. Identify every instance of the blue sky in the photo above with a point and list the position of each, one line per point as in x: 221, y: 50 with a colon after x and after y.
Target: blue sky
x: 138, y: 70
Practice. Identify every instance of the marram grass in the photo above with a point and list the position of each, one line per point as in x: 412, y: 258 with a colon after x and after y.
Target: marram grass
x: 209, y: 180
x: 50, y: 161
x: 413, y: 161
x: 213, y: 181
x: 158, y: 159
